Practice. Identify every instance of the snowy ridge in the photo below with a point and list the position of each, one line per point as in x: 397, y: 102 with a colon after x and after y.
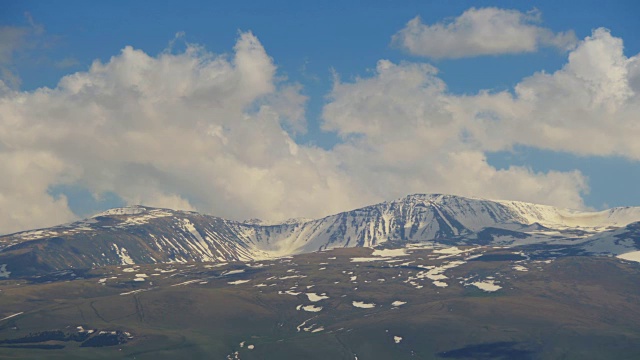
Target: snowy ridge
x: 428, y: 217
x: 128, y: 210
x: 555, y: 217
x: 141, y: 234
x: 291, y: 221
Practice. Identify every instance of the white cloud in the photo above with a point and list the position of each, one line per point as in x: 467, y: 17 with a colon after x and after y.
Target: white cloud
x: 188, y: 130
x: 405, y: 134
x: 589, y: 107
x: 193, y: 130
x: 484, y: 31
x: 24, y: 201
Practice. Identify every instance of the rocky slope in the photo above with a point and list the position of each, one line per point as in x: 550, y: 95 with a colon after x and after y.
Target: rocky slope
x: 143, y: 235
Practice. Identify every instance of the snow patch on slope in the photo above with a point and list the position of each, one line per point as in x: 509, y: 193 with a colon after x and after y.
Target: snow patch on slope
x: 125, y: 259
x: 363, y: 305
x: 312, y: 308
x: 389, y: 253
x: 487, y: 285
x: 3, y: 271
x: 313, y: 297
x: 630, y: 256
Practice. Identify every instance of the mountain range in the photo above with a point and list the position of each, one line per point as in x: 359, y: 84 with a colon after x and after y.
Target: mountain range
x: 421, y: 277
x: 145, y: 235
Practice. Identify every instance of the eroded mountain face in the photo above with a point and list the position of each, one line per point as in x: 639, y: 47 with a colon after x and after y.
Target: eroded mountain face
x: 143, y: 235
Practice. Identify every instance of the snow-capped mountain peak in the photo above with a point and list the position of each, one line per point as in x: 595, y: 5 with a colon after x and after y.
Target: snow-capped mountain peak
x: 139, y: 234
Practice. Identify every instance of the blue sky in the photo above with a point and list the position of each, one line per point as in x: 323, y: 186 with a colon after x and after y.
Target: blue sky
x: 311, y: 44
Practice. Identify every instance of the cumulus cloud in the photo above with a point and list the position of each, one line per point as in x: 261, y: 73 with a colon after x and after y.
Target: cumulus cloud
x: 213, y: 133
x: 404, y: 133
x: 589, y: 107
x: 484, y: 31
x: 403, y: 129
x: 24, y: 201
x: 189, y: 130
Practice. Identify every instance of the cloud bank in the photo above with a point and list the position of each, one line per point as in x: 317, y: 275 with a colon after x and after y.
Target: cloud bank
x: 213, y: 133
x: 484, y: 31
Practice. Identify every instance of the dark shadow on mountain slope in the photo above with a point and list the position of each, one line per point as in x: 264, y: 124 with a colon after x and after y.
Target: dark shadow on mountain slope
x: 503, y: 350
x: 36, y: 346
x: 499, y: 257
x: 487, y: 235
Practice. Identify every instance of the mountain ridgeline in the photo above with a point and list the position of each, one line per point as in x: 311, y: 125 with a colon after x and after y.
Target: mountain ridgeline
x: 144, y: 235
